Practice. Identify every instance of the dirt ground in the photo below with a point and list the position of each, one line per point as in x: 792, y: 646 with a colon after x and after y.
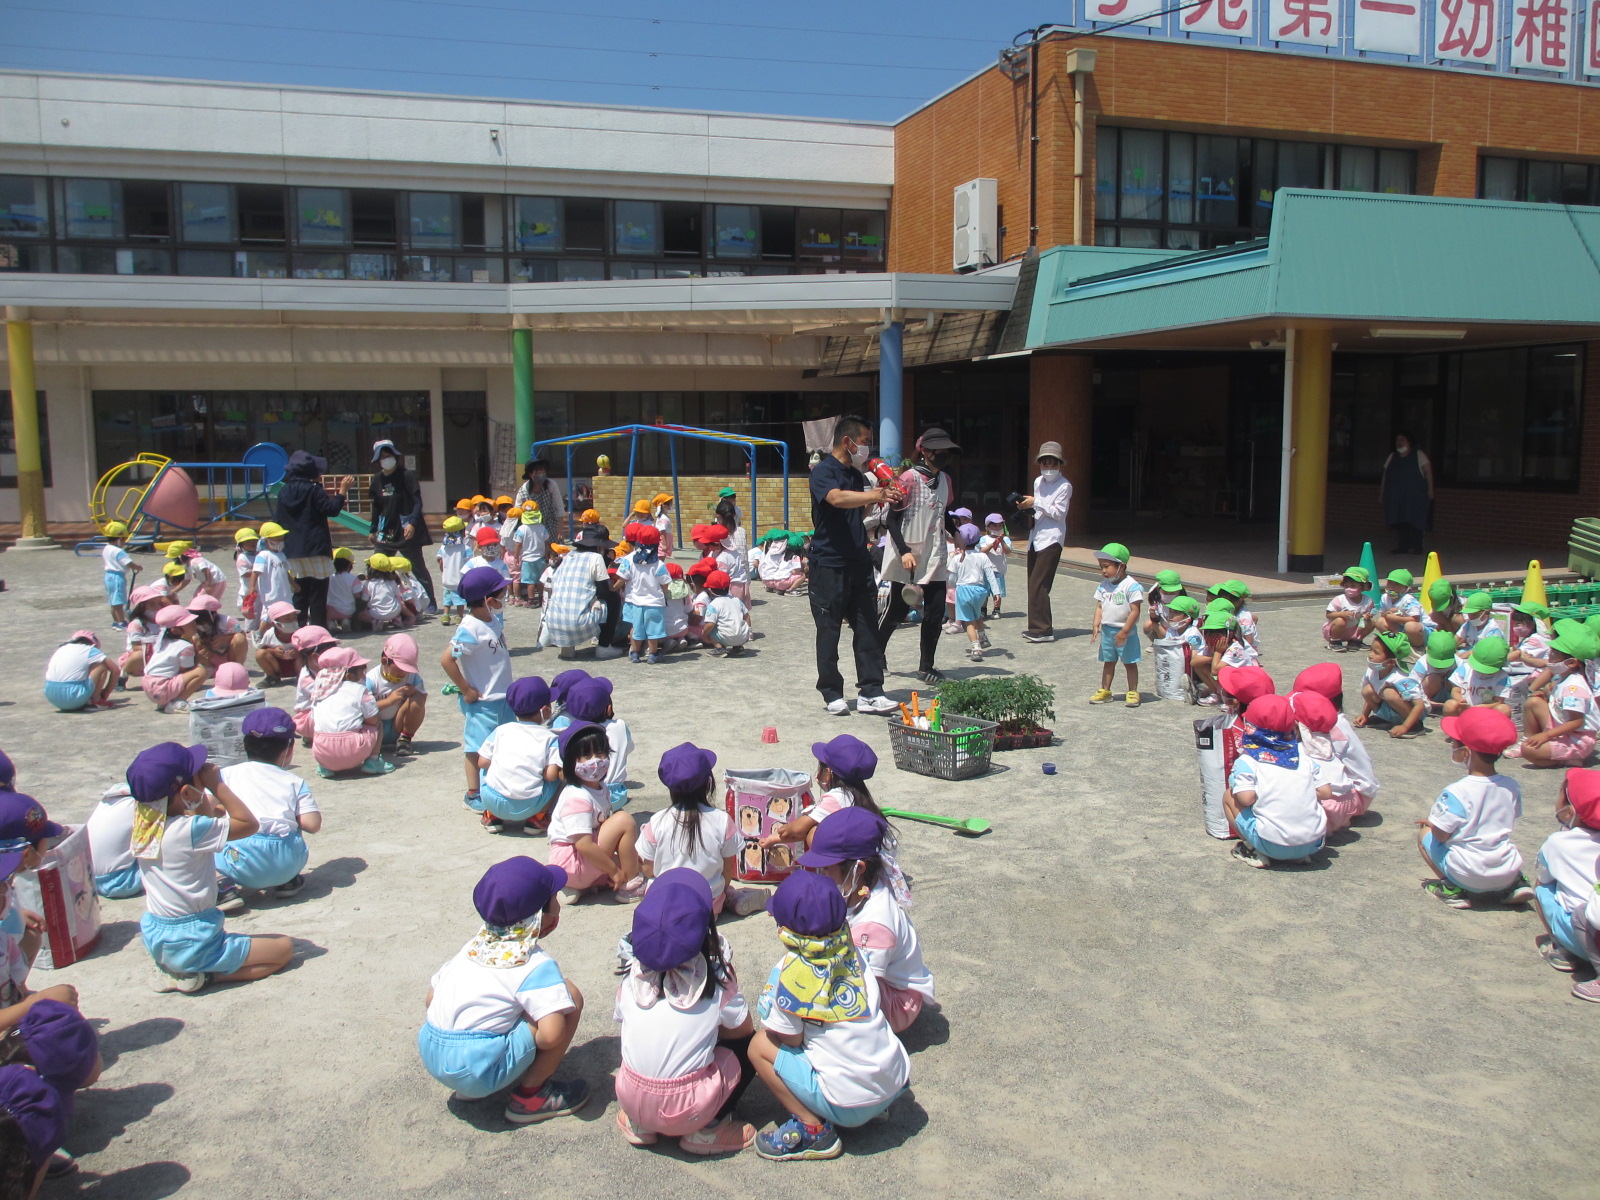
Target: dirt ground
x: 1125, y: 1012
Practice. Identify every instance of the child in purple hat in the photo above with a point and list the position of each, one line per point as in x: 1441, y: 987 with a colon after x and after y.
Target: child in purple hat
x: 185, y: 815
x: 591, y: 844
x: 272, y: 858
x: 25, y: 831
x: 844, y: 764
x: 685, y: 1026
x: 691, y: 833
x: 521, y: 762
x: 856, y: 850
x: 825, y: 1049
x: 478, y: 663
x: 589, y: 700
x: 500, y: 1013
x: 33, y: 1122
x: 559, y: 687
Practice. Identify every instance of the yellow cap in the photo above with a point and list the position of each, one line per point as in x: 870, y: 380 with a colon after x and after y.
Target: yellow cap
x: 589, y: 516
x: 623, y: 548
x: 603, y: 461
x: 477, y: 500
x: 454, y: 524
x: 271, y: 529
x: 173, y: 570
x: 378, y: 562
x: 246, y: 535
x: 557, y: 548
x: 661, y: 499
x: 344, y: 554
x: 466, y: 504
x: 178, y: 549
x: 399, y: 562
x: 115, y: 529
x: 499, y: 500
x: 641, y: 506
x: 514, y: 511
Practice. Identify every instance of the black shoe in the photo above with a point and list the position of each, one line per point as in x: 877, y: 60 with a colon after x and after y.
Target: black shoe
x: 930, y: 675
x: 292, y: 888
x: 230, y: 897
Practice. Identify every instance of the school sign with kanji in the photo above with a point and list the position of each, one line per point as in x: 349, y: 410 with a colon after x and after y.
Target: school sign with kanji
x: 1550, y: 39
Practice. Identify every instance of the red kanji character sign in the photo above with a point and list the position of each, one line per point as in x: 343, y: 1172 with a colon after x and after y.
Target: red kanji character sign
x: 1220, y: 16
x: 1542, y: 37
x: 1308, y: 22
x: 1464, y: 30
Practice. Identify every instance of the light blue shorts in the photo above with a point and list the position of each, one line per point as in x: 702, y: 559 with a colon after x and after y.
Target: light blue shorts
x: 194, y: 943
x: 649, y: 624
x: 618, y: 793
x: 69, y: 697
x: 263, y: 860
x: 1245, y: 823
x: 452, y: 599
x: 475, y: 1063
x: 1434, y: 849
x: 499, y: 805
x: 120, y: 885
x: 116, y: 588
x: 532, y: 568
x: 1130, y: 652
x: 1002, y: 580
x: 1559, y: 920
x: 800, y: 1077
x: 483, y: 717
x: 970, y: 599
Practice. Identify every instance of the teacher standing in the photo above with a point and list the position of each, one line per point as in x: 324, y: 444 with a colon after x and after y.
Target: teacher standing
x: 397, y: 523
x: 1407, y: 494
x: 1052, y: 495
x: 918, y: 552
x: 304, y: 507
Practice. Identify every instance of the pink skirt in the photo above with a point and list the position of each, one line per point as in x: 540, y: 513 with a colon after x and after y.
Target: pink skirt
x: 678, y: 1106
x: 162, y: 689
x: 302, y: 722
x: 1573, y: 748
x: 345, y: 751
x: 782, y: 585
x: 1342, y: 809
x: 581, y: 873
x: 900, y: 1006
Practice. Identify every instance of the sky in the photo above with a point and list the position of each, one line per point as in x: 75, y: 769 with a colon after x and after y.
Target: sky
x: 828, y: 58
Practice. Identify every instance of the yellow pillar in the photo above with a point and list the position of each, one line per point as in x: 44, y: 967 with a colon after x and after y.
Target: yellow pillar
x: 25, y: 426
x: 1309, y: 380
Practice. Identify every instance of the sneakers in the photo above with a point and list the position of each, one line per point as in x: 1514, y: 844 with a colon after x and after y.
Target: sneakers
x: 377, y: 765
x: 187, y: 982
x: 284, y: 890
x: 975, y: 654
x: 230, y: 898
x: 631, y: 891
x: 1448, y: 893
x: 491, y: 823
x: 632, y: 1134
x: 727, y: 1136
x: 983, y: 641
x: 652, y: 659
x: 402, y: 745
x: 1588, y: 990
x: 1039, y: 637
x: 1520, y: 892
x: 1101, y: 696
x: 467, y: 799
x: 447, y: 619
x: 633, y: 656
x: 1246, y: 854
x: 952, y: 627
x: 839, y: 707
x: 792, y: 1140
x: 931, y: 675
x: 176, y: 707
x: 1132, y: 699
x: 555, y: 1098
x: 1554, y: 953
x: 747, y: 901
x: 875, y: 704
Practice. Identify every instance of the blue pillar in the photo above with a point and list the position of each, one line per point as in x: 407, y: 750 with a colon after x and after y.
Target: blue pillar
x: 891, y: 389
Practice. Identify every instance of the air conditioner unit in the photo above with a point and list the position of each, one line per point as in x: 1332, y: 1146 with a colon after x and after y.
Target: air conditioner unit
x: 976, y: 241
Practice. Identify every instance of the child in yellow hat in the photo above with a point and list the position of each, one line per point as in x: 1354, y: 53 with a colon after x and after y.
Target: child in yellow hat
x: 452, y: 554
x: 119, y: 572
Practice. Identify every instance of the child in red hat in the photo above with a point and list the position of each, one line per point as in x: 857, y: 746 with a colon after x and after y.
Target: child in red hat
x: 1273, y: 797
x: 1566, y: 876
x: 725, y: 622
x: 1466, y: 837
x: 1347, y: 768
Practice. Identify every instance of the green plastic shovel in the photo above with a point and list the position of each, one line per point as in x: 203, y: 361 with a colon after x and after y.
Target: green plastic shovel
x: 959, y: 824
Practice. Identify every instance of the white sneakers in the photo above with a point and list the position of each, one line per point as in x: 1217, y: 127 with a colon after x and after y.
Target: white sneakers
x: 876, y: 704
x: 839, y: 707
x: 609, y: 652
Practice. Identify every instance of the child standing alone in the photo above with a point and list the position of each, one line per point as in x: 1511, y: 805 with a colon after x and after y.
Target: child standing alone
x: 1116, y: 615
x: 974, y: 580
x: 119, y: 572
x: 478, y: 663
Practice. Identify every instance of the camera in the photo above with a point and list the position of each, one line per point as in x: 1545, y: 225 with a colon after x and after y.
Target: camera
x: 1014, y: 499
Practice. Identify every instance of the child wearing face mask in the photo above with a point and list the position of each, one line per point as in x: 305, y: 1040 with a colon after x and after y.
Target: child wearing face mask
x: 1446, y: 612
x: 1399, y: 610
x: 384, y: 607
x: 1565, y: 878
x: 478, y: 663
x: 592, y: 844
x: 270, y: 572
x: 487, y: 539
x: 1478, y: 620
x: 642, y: 580
x: 1561, y: 728
x: 1390, y: 689
x: 1350, y: 612
x: 452, y: 555
x: 844, y: 765
x: 1466, y: 837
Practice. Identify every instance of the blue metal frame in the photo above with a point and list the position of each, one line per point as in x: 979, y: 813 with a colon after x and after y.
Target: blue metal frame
x: 672, y: 433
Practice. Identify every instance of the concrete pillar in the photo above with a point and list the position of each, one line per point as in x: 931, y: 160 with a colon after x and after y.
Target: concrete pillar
x: 891, y: 391
x: 1061, y: 409
x: 1307, y: 386
x: 25, y: 424
x: 522, y: 390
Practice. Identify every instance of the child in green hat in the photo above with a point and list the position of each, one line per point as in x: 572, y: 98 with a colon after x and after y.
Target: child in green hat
x: 1350, y: 612
x: 1116, y: 615
x: 1561, y: 729
x: 1235, y: 592
x: 1434, y: 667
x: 1530, y: 647
x: 1167, y: 587
x: 1480, y: 680
x: 1399, y: 609
x: 1389, y: 689
x: 1446, y: 612
x: 1478, y: 620
x: 1218, y: 632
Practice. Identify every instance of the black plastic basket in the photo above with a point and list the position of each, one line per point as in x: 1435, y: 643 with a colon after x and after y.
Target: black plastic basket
x: 960, y: 750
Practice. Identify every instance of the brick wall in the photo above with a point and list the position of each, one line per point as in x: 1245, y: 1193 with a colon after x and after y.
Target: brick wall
x: 697, y: 497
x: 981, y: 128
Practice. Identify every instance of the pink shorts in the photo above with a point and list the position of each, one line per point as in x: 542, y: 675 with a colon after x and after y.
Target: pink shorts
x: 1572, y: 748
x: 345, y: 751
x: 339, y: 616
x: 1342, y: 809
x: 219, y: 590
x: 678, y: 1106
x: 782, y: 585
x: 302, y: 722
x: 581, y: 873
x: 1327, y: 627
x: 900, y: 1007
x: 162, y: 689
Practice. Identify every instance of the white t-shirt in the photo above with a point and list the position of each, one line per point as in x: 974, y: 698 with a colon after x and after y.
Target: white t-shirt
x: 273, y: 584
x: 888, y: 941
x: 777, y: 564
x: 1406, y: 604
x: 997, y: 549
x: 857, y: 1062
x: 345, y: 710
x: 452, y: 559
x: 728, y: 614
x: 1116, y: 598
x: 829, y: 803
x: 664, y: 843
x: 1352, y: 754
x: 1569, y: 699
x: 1471, y: 631
x: 1476, y: 815
x: 115, y: 558
x: 1479, y: 688
x: 468, y: 995
x: 974, y: 569
x: 182, y: 881
x: 243, y: 564
x: 480, y: 652
x: 278, y: 798
x: 1286, y: 807
x: 1051, y: 500
x: 142, y: 633
x: 71, y: 662
x: 645, y: 582
x: 736, y: 564
x: 383, y: 599
x: 663, y: 1042
x: 620, y: 738
x: 532, y: 539
x: 344, y: 589
x: 578, y: 811
x: 173, y: 656
x: 203, y: 571
x: 110, y: 827
x: 676, y: 614
x: 1342, y: 604
x: 498, y: 563
x: 519, y: 752
x: 1570, y: 859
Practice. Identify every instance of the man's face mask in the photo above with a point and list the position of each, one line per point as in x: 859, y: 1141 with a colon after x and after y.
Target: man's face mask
x: 388, y: 462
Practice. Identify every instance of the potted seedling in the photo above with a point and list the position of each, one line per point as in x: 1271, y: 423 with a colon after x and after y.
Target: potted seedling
x: 1018, y: 704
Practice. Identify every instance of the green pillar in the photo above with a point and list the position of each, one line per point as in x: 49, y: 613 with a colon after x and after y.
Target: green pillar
x: 522, y: 387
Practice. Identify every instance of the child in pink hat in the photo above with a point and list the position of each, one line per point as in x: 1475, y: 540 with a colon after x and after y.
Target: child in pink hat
x: 275, y: 653
x: 218, y: 637
x: 396, y: 685
x: 309, y: 641
x: 171, y: 675
x: 142, y: 632
x: 232, y: 680
x: 344, y: 716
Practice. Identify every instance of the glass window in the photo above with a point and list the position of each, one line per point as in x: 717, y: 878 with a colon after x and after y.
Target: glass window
x: 777, y: 232
x: 24, y: 256
x: 207, y: 213
x: 321, y: 216
x: 472, y: 269
x: 575, y: 270
x: 435, y: 221
x: 261, y: 264
x: 1484, y: 417
x: 1105, y: 175
x: 737, y: 231
x: 372, y: 217
x: 91, y: 208
x: 540, y: 222
x: 24, y: 207
x: 1358, y: 169
x: 637, y: 227
x: 620, y: 270
x: 1143, y: 177
x: 106, y: 260
x: 1143, y: 236
x: 1180, y: 179
x: 1554, y: 414
x: 817, y: 231
x: 371, y: 266
x: 205, y: 262
x: 147, y: 211
x: 1397, y: 172
x: 1183, y: 239
x: 1499, y: 179
x: 1543, y: 184
x: 8, y: 442
x: 483, y: 222
x: 427, y: 268
x: 863, y: 235
x: 683, y: 230
x: 1216, y: 167
x: 319, y: 266
x: 261, y: 214
x: 586, y: 225
x: 1574, y: 184
x: 533, y: 270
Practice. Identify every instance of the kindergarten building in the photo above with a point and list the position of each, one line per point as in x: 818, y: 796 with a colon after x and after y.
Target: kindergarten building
x: 1192, y: 249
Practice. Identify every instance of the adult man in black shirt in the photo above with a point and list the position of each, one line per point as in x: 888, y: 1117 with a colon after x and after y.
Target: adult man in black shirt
x: 841, y: 584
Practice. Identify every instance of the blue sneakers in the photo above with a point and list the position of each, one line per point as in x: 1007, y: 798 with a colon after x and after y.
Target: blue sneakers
x: 792, y: 1140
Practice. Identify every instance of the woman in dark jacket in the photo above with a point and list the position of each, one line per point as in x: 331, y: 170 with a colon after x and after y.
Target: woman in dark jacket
x: 398, y: 526
x: 304, y: 507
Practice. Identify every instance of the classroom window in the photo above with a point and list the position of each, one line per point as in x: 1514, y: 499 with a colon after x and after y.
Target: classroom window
x: 207, y: 213
x: 736, y: 231
x: 372, y: 217
x: 1537, y: 181
x: 24, y: 207
x: 539, y: 223
x: 321, y: 216
x: 434, y: 221
x: 91, y: 208
x: 636, y: 227
x: 261, y: 214
x: 8, y: 441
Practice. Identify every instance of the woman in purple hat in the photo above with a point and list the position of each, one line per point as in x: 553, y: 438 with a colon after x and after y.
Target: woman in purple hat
x: 825, y: 1049
x: 685, y: 1025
